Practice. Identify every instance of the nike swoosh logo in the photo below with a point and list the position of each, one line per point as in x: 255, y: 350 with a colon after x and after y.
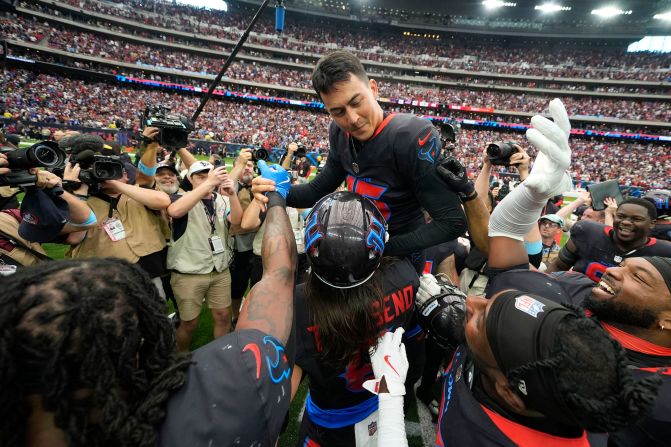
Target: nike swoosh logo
x: 282, y: 183
x: 423, y: 141
x: 386, y: 359
x: 253, y: 347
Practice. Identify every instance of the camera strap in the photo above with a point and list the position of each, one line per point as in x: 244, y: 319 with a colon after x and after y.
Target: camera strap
x: 113, y: 201
x: 23, y: 246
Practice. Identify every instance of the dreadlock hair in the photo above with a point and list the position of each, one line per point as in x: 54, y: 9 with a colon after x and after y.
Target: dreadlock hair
x: 94, y: 328
x: 648, y: 205
x: 348, y: 320
x: 593, y: 378
x: 335, y: 67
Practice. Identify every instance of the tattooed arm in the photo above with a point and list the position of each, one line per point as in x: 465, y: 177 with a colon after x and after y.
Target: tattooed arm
x: 269, y: 305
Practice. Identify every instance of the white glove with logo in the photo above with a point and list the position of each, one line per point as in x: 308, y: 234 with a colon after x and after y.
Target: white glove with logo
x: 550, y: 175
x: 389, y: 361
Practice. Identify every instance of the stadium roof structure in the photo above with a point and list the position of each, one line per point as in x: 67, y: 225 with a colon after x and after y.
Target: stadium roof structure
x: 552, y: 18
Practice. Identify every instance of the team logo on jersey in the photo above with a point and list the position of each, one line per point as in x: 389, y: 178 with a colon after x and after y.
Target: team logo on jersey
x: 372, y: 428
x: 278, y: 367
x: 529, y: 305
x: 617, y: 259
x: 428, y: 152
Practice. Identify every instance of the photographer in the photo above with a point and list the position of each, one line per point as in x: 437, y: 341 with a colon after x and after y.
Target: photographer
x: 199, y: 254
x: 130, y: 225
x: 44, y: 217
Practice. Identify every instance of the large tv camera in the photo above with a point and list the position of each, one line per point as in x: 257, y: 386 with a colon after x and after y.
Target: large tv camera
x: 174, y: 128
x: 259, y: 154
x: 45, y: 154
x: 95, y: 168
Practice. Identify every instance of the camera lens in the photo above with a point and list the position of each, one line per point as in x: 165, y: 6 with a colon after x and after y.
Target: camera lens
x: 45, y: 156
x: 493, y: 150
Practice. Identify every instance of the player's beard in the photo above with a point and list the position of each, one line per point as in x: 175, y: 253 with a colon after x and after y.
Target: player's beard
x: 247, y: 179
x: 612, y: 311
x: 169, y: 189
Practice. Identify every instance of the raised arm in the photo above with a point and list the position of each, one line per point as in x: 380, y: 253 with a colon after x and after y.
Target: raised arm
x: 147, y: 165
x: 453, y: 173
x: 515, y: 216
x: 269, y: 305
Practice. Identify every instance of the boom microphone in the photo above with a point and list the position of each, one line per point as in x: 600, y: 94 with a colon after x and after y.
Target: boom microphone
x: 279, y: 16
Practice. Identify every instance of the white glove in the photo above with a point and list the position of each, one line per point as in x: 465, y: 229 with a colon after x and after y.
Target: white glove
x: 428, y: 288
x: 549, y: 175
x: 389, y: 361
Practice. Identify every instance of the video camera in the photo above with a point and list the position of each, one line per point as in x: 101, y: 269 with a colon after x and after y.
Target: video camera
x: 499, y: 153
x: 448, y: 134
x: 174, y: 128
x: 95, y: 168
x: 45, y: 154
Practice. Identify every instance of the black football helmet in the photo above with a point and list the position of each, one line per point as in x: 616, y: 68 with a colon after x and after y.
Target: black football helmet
x: 345, y: 235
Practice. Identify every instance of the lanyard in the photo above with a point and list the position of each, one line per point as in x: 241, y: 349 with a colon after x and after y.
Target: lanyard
x: 210, y: 216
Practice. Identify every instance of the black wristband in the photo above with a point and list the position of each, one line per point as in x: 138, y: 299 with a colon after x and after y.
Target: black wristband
x: 468, y: 198
x: 275, y: 199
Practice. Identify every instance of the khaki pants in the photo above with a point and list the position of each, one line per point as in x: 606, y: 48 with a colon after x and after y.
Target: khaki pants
x: 191, y: 290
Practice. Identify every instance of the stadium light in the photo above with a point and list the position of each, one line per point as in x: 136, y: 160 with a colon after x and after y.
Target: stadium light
x: 493, y: 4
x: 551, y: 7
x: 610, y: 11
x: 663, y: 16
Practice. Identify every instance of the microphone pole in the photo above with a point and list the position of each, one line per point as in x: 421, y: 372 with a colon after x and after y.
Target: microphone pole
x: 241, y: 42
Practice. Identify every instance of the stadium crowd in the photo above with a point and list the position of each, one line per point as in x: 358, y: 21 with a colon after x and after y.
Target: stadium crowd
x: 415, y: 248
x: 484, y: 54
x: 142, y: 55
x: 70, y: 102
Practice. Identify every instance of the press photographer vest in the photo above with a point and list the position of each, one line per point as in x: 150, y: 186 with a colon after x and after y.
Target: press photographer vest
x: 10, y: 227
x: 145, y: 231
x: 297, y: 224
x: 191, y: 253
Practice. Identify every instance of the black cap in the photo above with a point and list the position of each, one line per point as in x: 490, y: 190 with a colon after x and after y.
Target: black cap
x: 44, y: 216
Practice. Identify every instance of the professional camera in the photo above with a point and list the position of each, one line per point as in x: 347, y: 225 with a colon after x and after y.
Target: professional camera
x: 45, y: 154
x: 302, y: 151
x: 174, y: 128
x: 259, y: 154
x: 448, y: 134
x: 499, y: 153
x: 100, y: 168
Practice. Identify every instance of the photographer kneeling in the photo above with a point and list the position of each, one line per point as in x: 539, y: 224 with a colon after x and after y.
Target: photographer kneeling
x: 200, y: 252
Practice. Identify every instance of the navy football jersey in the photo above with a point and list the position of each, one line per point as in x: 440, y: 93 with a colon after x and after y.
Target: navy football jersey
x: 395, y: 169
x: 237, y: 392
x: 433, y: 256
x: 596, y: 250
x: 463, y: 421
x: 342, y: 388
x: 647, y: 358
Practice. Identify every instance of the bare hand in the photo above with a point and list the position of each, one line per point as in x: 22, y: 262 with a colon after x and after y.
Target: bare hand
x: 151, y: 133
x: 585, y: 197
x: 520, y: 160
x: 3, y: 163
x: 611, y: 205
x: 485, y: 157
x: 260, y: 186
x: 244, y: 156
x: 217, y: 176
x: 71, y: 173
x: 227, y: 187
x: 495, y: 192
x: 293, y: 147
x: 47, y: 180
